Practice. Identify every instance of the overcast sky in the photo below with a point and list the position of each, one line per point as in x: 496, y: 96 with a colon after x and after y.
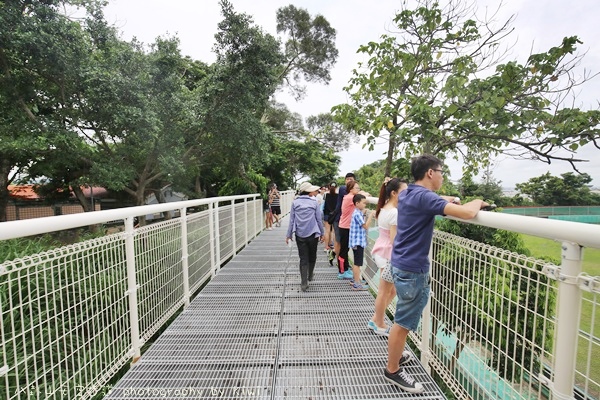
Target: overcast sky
x: 539, y: 25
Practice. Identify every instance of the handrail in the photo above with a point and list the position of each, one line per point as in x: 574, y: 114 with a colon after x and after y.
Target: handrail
x: 586, y: 235
x: 37, y: 226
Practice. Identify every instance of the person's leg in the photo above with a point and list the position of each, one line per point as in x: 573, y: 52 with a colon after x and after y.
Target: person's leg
x: 336, y: 238
x: 327, y: 234
x: 303, y: 251
x: 396, y: 343
x: 313, y: 245
x: 413, y: 293
x: 385, y: 293
x: 343, y: 253
x: 358, y: 253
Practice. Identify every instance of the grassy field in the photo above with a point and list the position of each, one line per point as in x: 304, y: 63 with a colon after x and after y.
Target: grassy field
x: 591, y: 264
x: 546, y: 247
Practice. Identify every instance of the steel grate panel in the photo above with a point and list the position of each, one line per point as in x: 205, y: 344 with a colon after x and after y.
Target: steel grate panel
x: 246, y: 279
x: 332, y: 347
x: 219, y: 323
x: 243, y: 290
x: 223, y: 304
x: 341, y: 322
x: 195, y: 381
x: 251, y: 330
x: 346, y: 380
x: 317, y: 305
x: 205, y: 347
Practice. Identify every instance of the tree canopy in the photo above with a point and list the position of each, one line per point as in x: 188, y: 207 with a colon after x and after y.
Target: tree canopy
x: 567, y: 190
x: 81, y: 106
x: 439, y: 84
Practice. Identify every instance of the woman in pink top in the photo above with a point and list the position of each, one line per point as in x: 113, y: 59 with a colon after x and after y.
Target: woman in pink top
x: 387, y: 219
x: 352, y: 188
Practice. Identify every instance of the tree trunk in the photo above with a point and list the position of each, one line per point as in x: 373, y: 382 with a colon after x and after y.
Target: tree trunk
x: 390, y: 157
x: 85, y: 204
x: 4, y: 194
x: 160, y: 197
x: 198, y: 187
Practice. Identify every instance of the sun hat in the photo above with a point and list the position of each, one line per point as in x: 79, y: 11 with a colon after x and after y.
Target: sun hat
x: 307, y: 187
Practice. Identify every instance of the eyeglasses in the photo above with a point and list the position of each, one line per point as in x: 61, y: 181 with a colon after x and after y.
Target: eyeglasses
x: 441, y: 171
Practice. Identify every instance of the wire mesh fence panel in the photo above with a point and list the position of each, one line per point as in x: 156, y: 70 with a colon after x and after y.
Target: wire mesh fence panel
x: 493, y: 320
x: 65, y: 324
x: 158, y: 274
x: 587, y: 373
x: 240, y: 226
x: 199, y: 249
x: 225, y: 232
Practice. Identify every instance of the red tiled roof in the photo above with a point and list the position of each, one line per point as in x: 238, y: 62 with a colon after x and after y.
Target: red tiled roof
x: 27, y: 192
x: 23, y: 192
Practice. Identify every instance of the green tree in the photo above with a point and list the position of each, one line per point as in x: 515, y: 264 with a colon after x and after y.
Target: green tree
x: 309, y: 48
x: 42, y: 54
x: 568, y: 190
x: 438, y: 87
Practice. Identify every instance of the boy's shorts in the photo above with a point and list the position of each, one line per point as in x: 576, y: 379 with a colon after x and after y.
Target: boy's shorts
x: 359, y: 254
x: 412, y: 289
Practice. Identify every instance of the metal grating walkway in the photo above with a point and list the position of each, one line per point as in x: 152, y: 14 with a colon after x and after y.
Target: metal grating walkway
x: 252, y: 334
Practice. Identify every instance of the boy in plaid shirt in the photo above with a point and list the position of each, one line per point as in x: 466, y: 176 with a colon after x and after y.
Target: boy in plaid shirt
x: 358, y: 239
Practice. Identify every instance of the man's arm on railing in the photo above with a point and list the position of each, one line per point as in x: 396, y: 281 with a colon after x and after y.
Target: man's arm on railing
x: 465, y: 211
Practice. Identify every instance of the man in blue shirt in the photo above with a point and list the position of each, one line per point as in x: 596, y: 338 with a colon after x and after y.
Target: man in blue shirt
x: 417, y: 207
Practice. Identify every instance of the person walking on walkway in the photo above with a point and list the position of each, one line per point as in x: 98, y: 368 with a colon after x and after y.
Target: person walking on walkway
x: 387, y: 215
x: 352, y: 188
x: 417, y: 207
x: 276, y: 204
x: 306, y: 223
x: 330, y: 202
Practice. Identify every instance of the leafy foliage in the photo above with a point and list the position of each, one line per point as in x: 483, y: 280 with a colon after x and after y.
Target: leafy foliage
x: 81, y: 106
x: 568, y: 190
x: 309, y: 50
x: 439, y: 87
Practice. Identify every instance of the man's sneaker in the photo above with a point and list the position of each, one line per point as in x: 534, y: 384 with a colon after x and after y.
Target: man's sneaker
x: 348, y: 275
x: 362, y: 281
x: 406, y: 357
x: 404, y: 381
x: 360, y: 287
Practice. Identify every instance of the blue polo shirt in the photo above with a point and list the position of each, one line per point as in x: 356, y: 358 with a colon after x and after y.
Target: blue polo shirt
x: 417, y: 208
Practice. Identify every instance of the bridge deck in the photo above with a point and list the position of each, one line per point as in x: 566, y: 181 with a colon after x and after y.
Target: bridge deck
x: 251, y: 333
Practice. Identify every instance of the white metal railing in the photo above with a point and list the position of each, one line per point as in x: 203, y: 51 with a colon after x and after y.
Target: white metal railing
x: 499, y: 325
x: 72, y: 317
x: 504, y: 326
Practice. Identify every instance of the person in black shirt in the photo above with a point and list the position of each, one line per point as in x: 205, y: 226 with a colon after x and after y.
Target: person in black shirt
x: 329, y: 207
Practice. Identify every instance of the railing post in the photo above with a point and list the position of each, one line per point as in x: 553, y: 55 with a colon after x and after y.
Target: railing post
x: 132, y: 289
x: 255, y: 218
x: 426, y: 326
x: 211, y: 229
x: 567, y: 325
x: 217, y: 237
x: 246, y: 220
x: 184, y: 257
x: 233, y: 227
